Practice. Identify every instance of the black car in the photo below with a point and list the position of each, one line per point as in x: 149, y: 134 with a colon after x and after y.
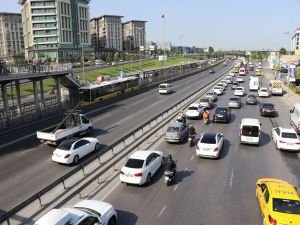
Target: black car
x: 222, y: 114
x: 211, y: 71
x: 284, y: 70
x: 267, y: 109
x: 251, y: 100
x: 234, y: 85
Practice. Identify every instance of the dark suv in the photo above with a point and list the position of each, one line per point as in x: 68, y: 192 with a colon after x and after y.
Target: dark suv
x: 222, y: 114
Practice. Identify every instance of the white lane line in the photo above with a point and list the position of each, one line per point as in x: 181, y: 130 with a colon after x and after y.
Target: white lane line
x: 16, y: 141
x: 110, y: 191
x: 176, y: 186
x: 191, y: 159
x: 231, y: 179
x: 102, y: 117
x: 162, y: 211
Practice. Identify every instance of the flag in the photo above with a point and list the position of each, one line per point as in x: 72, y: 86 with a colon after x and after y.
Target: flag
x: 163, y: 16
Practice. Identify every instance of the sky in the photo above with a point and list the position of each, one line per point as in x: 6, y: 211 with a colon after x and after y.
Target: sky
x: 222, y: 24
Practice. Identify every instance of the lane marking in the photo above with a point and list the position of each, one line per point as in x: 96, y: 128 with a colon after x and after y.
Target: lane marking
x: 18, y: 140
x: 231, y: 179
x: 176, y: 186
x: 110, y: 191
x: 191, y: 159
x: 102, y: 117
x: 162, y: 211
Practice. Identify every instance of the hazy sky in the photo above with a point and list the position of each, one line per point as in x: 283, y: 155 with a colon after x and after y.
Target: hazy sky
x: 226, y: 24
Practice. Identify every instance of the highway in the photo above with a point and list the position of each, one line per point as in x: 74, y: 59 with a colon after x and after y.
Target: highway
x: 26, y: 166
x: 210, y: 191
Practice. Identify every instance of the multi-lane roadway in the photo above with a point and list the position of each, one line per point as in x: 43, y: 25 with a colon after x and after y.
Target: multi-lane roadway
x: 26, y: 166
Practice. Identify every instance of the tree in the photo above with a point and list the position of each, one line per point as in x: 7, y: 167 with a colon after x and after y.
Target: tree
x: 282, y: 51
x: 211, y: 49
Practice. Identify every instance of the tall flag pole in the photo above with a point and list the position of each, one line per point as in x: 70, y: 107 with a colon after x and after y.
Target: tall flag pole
x: 164, y: 30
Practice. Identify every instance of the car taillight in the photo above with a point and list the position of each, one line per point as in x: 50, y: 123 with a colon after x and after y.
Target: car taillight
x: 272, y: 220
x: 297, y: 143
x: 121, y: 172
x: 281, y: 141
x: 241, y: 131
x: 138, y: 174
x: 67, y: 156
x: 216, y: 149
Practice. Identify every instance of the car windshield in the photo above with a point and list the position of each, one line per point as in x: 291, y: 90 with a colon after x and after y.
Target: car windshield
x: 173, y: 129
x: 193, y: 108
x: 208, y: 139
x: 204, y: 100
x: 286, y: 206
x: 221, y: 110
x: 209, y: 94
x: 251, y: 131
x: 289, y: 135
x: 66, y: 145
x: 134, y: 163
x: 217, y: 87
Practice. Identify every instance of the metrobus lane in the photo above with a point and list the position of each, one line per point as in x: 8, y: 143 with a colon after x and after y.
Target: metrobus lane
x: 207, y: 191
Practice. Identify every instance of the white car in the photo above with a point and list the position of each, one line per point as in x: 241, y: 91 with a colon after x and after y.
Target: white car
x: 286, y: 138
x: 213, y: 95
x: 231, y: 73
x: 239, y: 91
x: 222, y: 85
x: 240, y: 79
x: 195, y: 110
x: 263, y: 92
x: 218, y: 90
x: 84, y: 212
x: 224, y: 82
x: 71, y: 150
x: 165, y: 88
x: 141, y: 167
x: 210, y: 145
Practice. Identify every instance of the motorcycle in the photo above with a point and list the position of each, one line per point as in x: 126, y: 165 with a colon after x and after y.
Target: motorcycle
x: 192, y: 139
x: 205, y: 121
x: 169, y: 176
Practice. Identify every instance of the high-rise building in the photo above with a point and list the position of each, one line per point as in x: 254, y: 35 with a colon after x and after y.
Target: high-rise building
x: 106, y: 33
x: 295, y: 46
x: 11, y: 35
x: 56, y: 29
x: 134, y: 34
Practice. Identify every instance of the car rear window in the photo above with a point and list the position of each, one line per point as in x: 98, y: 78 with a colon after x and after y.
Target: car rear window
x: 193, y: 108
x: 209, y: 94
x: 208, y: 139
x: 204, y: 100
x: 134, y: 163
x: 286, y: 206
x: 268, y: 106
x: 250, y: 131
x: 173, y: 129
x: 239, y: 89
x: 221, y: 110
x: 234, y: 99
x: 66, y: 145
x: 289, y: 135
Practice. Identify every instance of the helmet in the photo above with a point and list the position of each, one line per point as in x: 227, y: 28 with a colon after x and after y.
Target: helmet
x: 191, y: 126
x: 169, y: 157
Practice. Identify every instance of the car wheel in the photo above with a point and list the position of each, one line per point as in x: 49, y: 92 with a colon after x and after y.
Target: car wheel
x: 148, y: 178
x: 112, y: 221
x: 75, y: 159
x: 89, y: 131
x: 97, y: 147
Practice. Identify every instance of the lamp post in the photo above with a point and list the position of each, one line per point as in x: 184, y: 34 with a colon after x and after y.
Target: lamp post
x: 82, y: 56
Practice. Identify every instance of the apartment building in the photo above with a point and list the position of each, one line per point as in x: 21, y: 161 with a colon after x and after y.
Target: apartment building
x: 106, y: 34
x: 295, y: 46
x: 56, y: 29
x: 134, y: 34
x: 11, y: 36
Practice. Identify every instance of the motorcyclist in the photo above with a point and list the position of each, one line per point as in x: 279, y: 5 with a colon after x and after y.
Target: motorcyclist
x: 170, y: 164
x: 205, y: 114
x: 181, y: 117
x: 192, y: 130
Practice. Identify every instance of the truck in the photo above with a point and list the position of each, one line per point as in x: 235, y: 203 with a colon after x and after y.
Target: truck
x: 73, y: 124
x: 276, y: 87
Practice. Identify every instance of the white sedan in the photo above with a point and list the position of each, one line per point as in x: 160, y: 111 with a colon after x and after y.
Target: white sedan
x: 224, y: 82
x: 195, y: 110
x: 218, y: 90
x: 210, y: 145
x: 263, y: 92
x: 71, y: 150
x: 286, y: 138
x: 141, y: 167
x: 240, y: 79
x: 239, y: 91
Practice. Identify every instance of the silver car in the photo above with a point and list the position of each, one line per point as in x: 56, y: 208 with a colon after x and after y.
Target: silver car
x: 176, y: 132
x: 213, y: 95
x: 234, y: 102
x: 206, y: 102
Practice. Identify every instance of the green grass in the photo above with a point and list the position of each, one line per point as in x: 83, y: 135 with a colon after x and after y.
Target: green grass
x: 27, y: 89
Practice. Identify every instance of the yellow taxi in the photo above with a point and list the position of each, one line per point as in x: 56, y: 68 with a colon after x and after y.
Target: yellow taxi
x: 279, y: 202
x: 258, y: 72
x: 236, y: 69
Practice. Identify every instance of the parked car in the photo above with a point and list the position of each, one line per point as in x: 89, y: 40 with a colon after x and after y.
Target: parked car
x: 234, y: 102
x: 222, y: 114
x: 176, y: 132
x: 194, y: 111
x: 267, y: 109
x: 206, y: 102
x: 286, y: 138
x: 72, y: 150
x: 210, y: 145
x: 141, y: 167
x: 240, y: 79
x: 218, y: 90
x: 263, y: 92
x: 213, y: 95
x: 251, y: 100
x: 84, y: 212
x: 234, y: 85
x: 239, y: 91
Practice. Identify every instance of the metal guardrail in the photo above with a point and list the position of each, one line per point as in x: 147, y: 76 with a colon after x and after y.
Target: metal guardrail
x: 111, y: 162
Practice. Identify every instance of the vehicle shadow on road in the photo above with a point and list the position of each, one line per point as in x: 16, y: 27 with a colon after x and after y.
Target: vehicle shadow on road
x: 225, y: 149
x: 98, y: 132
x: 264, y: 138
x: 126, y: 217
x: 181, y: 175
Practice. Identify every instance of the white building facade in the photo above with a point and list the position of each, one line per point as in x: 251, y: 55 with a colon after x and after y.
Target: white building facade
x: 295, y: 40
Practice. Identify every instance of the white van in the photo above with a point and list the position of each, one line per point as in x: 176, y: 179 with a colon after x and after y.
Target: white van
x: 295, y: 117
x: 254, y: 84
x: 165, y: 88
x: 276, y: 87
x: 242, y: 71
x: 250, y: 131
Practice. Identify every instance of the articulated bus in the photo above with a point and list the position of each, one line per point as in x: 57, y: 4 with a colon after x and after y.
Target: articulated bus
x: 107, y: 89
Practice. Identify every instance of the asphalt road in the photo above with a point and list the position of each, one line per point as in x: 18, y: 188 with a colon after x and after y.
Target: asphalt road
x: 211, y: 191
x: 26, y: 166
